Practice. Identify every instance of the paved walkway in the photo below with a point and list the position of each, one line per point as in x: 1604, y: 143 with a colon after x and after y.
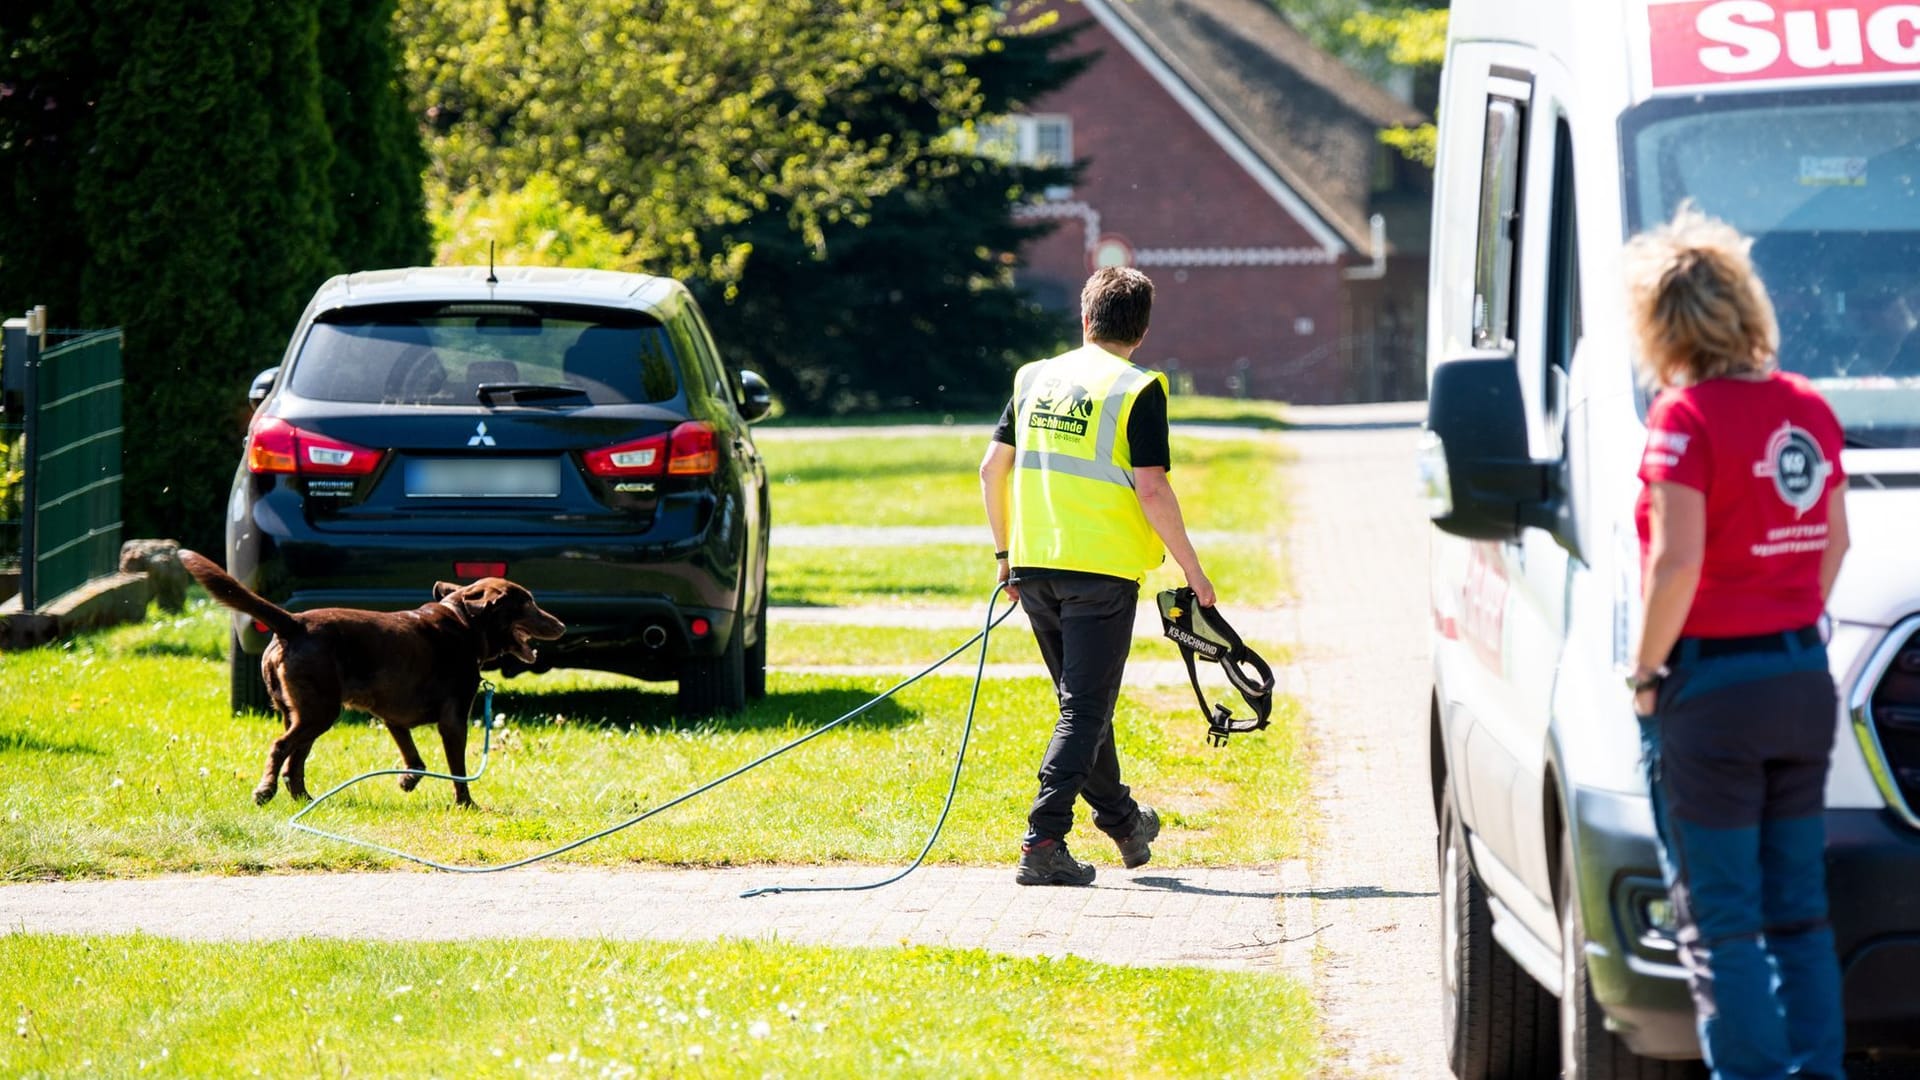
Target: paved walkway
x: 1357, y: 918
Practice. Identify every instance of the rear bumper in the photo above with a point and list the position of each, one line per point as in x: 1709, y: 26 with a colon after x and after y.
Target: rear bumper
x: 614, y: 592
x: 1873, y: 889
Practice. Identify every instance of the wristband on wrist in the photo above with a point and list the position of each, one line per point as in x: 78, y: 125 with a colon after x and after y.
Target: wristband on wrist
x: 999, y: 555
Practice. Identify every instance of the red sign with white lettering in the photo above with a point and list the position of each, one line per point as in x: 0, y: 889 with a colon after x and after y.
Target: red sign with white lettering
x: 1698, y: 42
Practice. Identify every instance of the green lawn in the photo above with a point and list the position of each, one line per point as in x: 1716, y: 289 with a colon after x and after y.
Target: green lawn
x: 1224, y: 484
x: 124, y: 1006
x: 798, y: 645
x: 140, y: 770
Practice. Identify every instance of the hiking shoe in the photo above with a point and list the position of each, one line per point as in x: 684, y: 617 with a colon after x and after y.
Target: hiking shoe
x: 1133, y: 846
x: 1048, y: 863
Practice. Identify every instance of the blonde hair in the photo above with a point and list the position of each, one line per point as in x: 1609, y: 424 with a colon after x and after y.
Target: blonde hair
x: 1699, y: 309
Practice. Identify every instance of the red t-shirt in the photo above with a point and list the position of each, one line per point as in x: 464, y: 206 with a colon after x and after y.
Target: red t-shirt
x: 1766, y: 453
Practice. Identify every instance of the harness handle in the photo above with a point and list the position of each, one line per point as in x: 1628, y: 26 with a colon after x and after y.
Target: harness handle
x: 1206, y: 632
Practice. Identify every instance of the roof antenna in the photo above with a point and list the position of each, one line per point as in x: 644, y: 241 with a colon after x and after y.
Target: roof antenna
x: 492, y: 278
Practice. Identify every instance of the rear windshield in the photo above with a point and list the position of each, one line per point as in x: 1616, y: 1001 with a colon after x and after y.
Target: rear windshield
x: 443, y: 354
x: 1828, y: 184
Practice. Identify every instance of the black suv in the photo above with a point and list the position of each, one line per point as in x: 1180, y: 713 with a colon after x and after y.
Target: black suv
x: 573, y: 430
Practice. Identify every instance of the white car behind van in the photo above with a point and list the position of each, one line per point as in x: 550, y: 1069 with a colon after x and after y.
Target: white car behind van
x: 1567, y: 126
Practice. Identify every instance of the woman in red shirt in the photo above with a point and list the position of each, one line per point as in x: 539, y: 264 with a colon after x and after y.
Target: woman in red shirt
x: 1742, y: 521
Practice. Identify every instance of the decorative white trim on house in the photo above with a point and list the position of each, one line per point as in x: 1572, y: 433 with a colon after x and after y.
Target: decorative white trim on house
x: 1087, y: 216
x: 1089, y: 220
x: 1223, y: 256
x: 1213, y: 125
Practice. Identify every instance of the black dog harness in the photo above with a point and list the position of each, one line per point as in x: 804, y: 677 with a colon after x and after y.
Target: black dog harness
x: 1203, y: 630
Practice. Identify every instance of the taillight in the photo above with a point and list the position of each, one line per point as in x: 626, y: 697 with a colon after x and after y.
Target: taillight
x: 687, y: 450
x: 275, y: 446
x: 693, y: 452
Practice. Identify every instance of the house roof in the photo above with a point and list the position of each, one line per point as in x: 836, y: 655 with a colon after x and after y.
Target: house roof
x: 1276, y: 102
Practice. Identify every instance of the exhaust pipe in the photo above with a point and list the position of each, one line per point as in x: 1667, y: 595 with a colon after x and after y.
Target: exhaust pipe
x: 654, y: 636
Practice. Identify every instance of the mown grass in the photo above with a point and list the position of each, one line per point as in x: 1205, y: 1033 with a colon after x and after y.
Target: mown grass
x: 1223, y: 483
x: 811, y: 645
x: 138, y: 769
x: 124, y: 1006
x: 959, y: 575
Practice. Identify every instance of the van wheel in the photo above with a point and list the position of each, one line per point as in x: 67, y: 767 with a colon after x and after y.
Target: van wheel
x: 1497, y: 1021
x: 710, y: 685
x: 1588, y: 1051
x: 246, y: 691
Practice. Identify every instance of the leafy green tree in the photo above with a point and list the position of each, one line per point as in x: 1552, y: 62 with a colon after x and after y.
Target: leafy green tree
x: 912, y: 306
x: 184, y: 170
x: 205, y: 208
x: 789, y: 157
x: 379, y: 211
x: 532, y: 225
x: 50, y: 75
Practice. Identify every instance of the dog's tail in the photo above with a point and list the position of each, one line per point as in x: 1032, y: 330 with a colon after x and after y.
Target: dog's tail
x: 222, y: 586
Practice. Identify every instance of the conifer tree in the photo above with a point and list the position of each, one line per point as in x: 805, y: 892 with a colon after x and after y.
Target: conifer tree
x: 379, y: 212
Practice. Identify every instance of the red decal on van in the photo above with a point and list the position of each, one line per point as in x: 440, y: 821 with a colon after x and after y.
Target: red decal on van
x: 1699, y: 42
x: 1483, y: 604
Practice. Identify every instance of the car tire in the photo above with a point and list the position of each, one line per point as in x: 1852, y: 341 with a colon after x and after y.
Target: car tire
x: 1497, y: 1021
x: 246, y: 691
x: 712, y: 685
x: 1588, y: 1051
x: 756, y: 674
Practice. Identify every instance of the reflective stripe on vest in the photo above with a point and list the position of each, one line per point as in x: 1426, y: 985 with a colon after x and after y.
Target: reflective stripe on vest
x: 1077, y: 510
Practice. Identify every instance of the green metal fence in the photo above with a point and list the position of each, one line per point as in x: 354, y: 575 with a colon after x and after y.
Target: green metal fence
x: 70, y: 527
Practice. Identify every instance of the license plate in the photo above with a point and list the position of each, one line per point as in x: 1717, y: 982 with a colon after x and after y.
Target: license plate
x: 483, y: 478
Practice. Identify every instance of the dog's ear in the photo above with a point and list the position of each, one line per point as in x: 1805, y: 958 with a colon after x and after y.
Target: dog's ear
x: 444, y: 589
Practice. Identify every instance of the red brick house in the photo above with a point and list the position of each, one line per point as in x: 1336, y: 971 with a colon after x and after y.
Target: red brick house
x: 1240, y: 166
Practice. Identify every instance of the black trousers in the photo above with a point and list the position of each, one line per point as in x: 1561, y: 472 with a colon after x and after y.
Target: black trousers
x: 1084, y: 626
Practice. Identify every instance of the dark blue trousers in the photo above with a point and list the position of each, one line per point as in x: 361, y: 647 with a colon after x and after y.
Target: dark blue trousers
x: 1083, y: 624
x: 1736, y: 758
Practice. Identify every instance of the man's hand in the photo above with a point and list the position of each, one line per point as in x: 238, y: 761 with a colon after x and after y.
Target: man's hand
x: 1013, y: 591
x: 1202, y: 588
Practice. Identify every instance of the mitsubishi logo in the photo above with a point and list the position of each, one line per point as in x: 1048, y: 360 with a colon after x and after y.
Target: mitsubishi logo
x: 480, y: 436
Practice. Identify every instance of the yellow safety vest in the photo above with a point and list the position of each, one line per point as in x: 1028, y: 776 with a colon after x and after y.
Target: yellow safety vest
x: 1074, y: 506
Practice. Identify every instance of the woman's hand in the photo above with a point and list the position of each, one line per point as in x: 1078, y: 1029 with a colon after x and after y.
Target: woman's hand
x: 1645, y: 701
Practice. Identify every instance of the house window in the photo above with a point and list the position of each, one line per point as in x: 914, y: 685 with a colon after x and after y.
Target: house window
x: 1040, y: 141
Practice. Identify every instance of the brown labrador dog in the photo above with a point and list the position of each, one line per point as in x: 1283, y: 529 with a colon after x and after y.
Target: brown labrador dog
x: 407, y: 668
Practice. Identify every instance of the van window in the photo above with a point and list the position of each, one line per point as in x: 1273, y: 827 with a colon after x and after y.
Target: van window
x: 1493, y: 277
x: 1563, y: 281
x: 1827, y: 182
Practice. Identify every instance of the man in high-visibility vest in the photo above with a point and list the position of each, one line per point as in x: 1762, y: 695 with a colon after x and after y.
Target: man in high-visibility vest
x: 1076, y: 489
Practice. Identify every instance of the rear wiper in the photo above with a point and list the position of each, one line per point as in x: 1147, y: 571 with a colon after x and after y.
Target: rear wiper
x: 526, y: 393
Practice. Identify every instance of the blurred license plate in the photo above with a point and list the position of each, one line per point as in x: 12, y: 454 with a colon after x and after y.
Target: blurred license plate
x: 488, y: 478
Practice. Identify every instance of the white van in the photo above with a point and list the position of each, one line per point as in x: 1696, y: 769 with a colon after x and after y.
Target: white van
x: 1567, y: 126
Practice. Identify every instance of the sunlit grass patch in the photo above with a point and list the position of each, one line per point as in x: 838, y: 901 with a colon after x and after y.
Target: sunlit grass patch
x: 123, y: 1006
x: 958, y: 575
x: 827, y: 645
x: 138, y: 769
x: 1223, y: 484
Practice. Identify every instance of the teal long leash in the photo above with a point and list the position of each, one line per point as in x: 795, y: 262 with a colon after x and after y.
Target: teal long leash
x: 983, y: 637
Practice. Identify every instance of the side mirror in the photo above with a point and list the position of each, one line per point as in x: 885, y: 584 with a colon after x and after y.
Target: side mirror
x: 262, y: 386
x: 759, y: 397
x: 1475, y: 471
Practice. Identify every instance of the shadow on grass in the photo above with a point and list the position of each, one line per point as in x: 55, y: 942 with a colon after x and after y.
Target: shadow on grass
x: 1254, y: 420
x: 175, y: 648
x: 628, y: 708
x: 33, y: 744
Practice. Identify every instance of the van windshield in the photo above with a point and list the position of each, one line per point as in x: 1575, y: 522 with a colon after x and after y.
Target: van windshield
x: 1828, y: 185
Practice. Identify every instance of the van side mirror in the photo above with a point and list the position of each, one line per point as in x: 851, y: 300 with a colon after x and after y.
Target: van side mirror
x: 1475, y: 471
x: 262, y: 386
x: 759, y: 397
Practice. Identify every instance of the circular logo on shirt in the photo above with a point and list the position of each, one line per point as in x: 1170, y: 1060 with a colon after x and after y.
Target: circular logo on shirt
x: 1796, y: 466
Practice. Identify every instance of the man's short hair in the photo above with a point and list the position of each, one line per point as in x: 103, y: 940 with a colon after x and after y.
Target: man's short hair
x: 1117, y: 303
